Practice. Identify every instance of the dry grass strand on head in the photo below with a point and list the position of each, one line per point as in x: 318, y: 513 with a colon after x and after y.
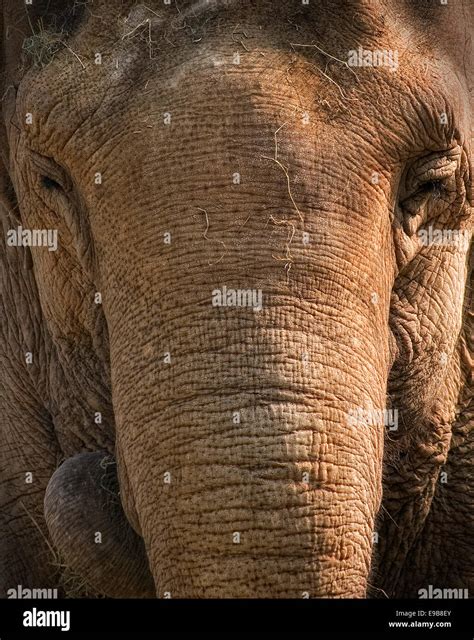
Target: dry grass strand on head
x: 42, y: 46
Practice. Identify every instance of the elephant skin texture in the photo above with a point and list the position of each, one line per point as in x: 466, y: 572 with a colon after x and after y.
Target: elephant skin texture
x: 237, y: 316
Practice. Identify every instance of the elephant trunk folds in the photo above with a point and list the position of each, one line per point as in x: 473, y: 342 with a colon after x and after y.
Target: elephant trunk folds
x: 247, y: 468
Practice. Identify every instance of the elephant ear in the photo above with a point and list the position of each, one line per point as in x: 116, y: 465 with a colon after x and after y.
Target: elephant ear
x: 29, y: 451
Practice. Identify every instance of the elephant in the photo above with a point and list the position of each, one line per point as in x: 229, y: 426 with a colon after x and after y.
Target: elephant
x: 237, y: 314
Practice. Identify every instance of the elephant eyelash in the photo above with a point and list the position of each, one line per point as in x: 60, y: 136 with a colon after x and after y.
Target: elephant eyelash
x: 414, y: 206
x: 435, y: 189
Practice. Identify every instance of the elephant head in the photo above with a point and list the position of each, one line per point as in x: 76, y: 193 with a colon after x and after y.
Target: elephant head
x: 264, y: 222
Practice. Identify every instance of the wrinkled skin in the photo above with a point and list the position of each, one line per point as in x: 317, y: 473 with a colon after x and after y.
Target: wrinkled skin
x: 361, y: 316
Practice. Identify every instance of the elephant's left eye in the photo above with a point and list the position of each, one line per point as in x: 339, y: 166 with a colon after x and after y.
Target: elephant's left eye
x: 429, y: 187
x: 49, y: 183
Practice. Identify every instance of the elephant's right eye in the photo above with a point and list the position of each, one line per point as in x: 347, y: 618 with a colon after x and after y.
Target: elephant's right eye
x: 50, y: 183
x: 51, y: 176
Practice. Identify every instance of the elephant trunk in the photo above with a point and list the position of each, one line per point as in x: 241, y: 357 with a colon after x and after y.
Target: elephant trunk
x: 245, y: 463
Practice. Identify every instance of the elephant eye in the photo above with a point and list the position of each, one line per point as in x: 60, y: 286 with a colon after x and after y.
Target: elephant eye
x: 428, y: 188
x: 50, y: 183
x: 52, y: 177
x: 433, y: 188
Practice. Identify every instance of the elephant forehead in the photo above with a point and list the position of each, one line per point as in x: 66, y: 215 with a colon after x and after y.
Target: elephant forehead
x: 235, y: 80
x: 241, y: 125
